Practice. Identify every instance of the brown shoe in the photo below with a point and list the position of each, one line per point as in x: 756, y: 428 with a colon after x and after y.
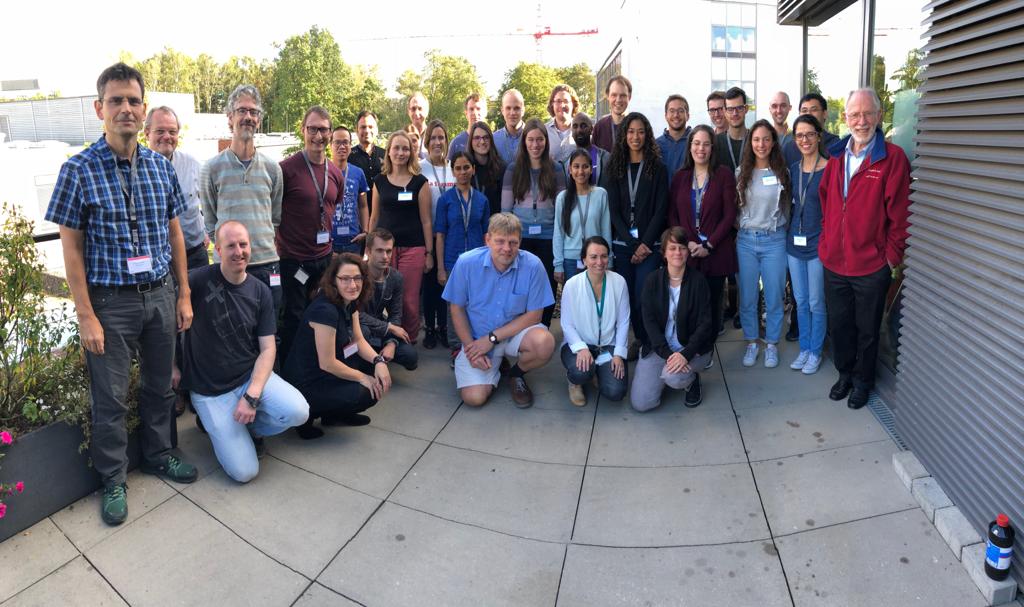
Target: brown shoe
x: 576, y: 395
x: 180, y: 404
x: 521, y: 394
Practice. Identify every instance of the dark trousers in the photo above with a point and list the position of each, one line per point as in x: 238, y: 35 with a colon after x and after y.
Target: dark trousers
x: 609, y: 386
x: 435, y: 309
x: 716, y: 284
x: 542, y: 249
x: 330, y: 395
x: 262, y: 273
x: 635, y: 275
x: 197, y: 257
x: 855, y: 306
x: 405, y: 354
x: 141, y: 325
x: 296, y: 296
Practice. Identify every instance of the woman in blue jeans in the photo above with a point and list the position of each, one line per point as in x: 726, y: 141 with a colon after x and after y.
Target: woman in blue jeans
x: 764, y: 200
x: 805, y: 269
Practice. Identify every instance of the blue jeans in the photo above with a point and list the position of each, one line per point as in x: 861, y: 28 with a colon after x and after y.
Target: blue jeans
x: 808, y: 279
x: 569, y: 268
x: 608, y: 385
x: 763, y: 259
x: 636, y: 275
x: 281, y: 407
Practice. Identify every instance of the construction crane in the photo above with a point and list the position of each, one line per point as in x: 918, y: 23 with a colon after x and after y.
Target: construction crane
x: 545, y: 30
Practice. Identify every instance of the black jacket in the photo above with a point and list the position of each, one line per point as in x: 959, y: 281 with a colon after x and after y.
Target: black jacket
x: 651, y: 206
x: 693, y: 316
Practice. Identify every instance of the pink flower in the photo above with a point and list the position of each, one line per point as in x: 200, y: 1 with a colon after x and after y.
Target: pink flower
x: 19, y: 486
x: 3, y: 509
x: 5, y: 437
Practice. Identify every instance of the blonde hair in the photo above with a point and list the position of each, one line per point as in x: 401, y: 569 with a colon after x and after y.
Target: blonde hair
x: 504, y: 223
x: 414, y: 158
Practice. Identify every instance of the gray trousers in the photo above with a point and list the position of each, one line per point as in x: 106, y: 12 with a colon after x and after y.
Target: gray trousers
x: 649, y: 381
x: 134, y: 324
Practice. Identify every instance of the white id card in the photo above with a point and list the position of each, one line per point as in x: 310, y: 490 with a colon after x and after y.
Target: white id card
x: 579, y: 265
x: 769, y: 180
x: 534, y: 229
x: 800, y: 241
x: 137, y: 265
x: 323, y: 237
x: 301, y: 276
x: 275, y: 280
x: 405, y: 197
x: 634, y: 232
x: 343, y: 230
x: 603, y: 358
x: 350, y: 349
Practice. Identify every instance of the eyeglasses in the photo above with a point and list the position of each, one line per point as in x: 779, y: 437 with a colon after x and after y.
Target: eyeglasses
x: 676, y: 112
x: 348, y: 280
x: 341, y: 143
x: 251, y: 111
x: 313, y: 130
x: 118, y: 101
x: 805, y: 136
x: 736, y: 110
x: 856, y: 116
x: 480, y: 138
x: 716, y: 110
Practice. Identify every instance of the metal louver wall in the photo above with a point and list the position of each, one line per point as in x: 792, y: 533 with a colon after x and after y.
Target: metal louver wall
x: 960, y: 381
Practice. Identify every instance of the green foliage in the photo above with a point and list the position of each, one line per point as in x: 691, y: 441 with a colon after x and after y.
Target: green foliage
x: 446, y: 81
x: 309, y: 72
x: 581, y: 78
x: 811, y: 83
x: 835, y: 124
x: 878, y: 81
x: 169, y: 71
x: 908, y: 76
x: 535, y: 81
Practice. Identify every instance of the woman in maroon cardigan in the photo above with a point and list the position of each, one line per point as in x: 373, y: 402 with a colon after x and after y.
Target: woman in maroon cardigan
x: 703, y: 202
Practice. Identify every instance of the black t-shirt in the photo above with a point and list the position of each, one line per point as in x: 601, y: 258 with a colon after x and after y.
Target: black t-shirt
x: 222, y: 345
x: 401, y: 217
x: 303, y: 365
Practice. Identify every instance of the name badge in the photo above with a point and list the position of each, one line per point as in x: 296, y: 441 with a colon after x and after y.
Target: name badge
x: 800, y: 241
x: 534, y: 229
x: 343, y: 231
x: 323, y: 237
x: 579, y: 265
x: 405, y: 197
x: 138, y: 265
x: 301, y: 276
x: 634, y: 232
x: 703, y: 237
x: 603, y: 358
x: 275, y: 280
x: 770, y: 180
x: 350, y: 349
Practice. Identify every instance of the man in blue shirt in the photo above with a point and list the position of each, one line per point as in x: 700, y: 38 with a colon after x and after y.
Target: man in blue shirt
x: 353, y: 215
x: 117, y: 204
x: 673, y: 141
x: 506, y: 139
x: 497, y: 295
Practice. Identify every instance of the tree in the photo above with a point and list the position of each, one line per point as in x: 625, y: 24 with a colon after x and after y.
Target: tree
x: 535, y: 82
x: 369, y: 95
x: 244, y: 70
x: 908, y: 76
x: 835, y: 124
x: 169, y: 71
x: 309, y: 71
x: 811, y: 83
x: 206, y: 84
x: 408, y: 83
x: 878, y: 81
x: 447, y: 81
x: 581, y: 78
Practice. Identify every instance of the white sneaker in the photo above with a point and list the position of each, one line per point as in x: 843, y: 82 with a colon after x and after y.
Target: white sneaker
x: 813, y: 362
x: 750, y: 356
x: 800, y: 361
x: 711, y: 363
x: 771, y: 356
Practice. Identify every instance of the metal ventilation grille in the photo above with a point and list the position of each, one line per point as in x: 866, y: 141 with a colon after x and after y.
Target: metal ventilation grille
x: 960, y: 384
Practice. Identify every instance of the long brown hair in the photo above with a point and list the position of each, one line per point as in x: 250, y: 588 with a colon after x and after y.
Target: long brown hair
x: 493, y: 164
x: 775, y: 162
x: 521, y: 168
x: 329, y: 287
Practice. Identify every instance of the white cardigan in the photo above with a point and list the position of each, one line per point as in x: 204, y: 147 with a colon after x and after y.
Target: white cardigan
x: 579, y: 314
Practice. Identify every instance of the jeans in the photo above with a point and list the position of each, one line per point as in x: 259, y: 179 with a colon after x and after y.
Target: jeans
x: 609, y: 386
x: 569, y: 268
x: 281, y: 407
x: 410, y: 261
x: 763, y: 259
x: 635, y: 275
x: 405, y: 354
x: 197, y: 257
x: 808, y: 279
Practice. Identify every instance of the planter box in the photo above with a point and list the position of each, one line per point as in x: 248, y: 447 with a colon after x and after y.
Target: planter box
x: 55, y: 474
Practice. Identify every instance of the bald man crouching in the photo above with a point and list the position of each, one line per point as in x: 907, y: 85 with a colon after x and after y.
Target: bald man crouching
x: 228, y: 358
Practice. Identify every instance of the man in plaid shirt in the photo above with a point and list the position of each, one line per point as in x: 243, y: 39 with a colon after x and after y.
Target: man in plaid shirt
x: 117, y: 204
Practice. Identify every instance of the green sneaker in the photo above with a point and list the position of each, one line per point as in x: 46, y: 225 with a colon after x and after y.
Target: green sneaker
x: 115, y: 504
x: 173, y: 469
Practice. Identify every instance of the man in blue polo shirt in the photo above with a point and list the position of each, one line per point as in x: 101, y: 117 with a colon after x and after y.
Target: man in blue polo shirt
x: 497, y: 295
x: 117, y: 204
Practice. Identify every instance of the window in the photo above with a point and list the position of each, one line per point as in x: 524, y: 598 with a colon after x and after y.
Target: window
x: 610, y: 70
x: 734, y: 47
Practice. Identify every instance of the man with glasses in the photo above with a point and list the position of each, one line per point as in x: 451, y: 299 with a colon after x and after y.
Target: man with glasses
x: 506, y: 139
x: 865, y: 200
x: 368, y: 156
x: 352, y: 215
x: 729, y: 145
x: 245, y: 185
x: 381, y: 318
x: 815, y: 105
x: 563, y: 103
x: 716, y: 111
x: 117, y: 204
x: 674, y: 140
x: 313, y: 188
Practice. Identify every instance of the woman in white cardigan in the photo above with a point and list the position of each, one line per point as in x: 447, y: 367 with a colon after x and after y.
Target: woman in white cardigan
x: 595, y: 323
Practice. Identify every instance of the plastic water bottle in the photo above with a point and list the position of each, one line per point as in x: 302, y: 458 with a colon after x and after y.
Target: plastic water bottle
x: 999, y: 550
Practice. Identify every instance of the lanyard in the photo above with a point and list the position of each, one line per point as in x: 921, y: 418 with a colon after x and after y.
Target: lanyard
x: 129, y: 194
x: 699, y: 193
x: 467, y: 210
x: 535, y: 190
x: 803, y: 193
x: 583, y: 212
x: 599, y: 304
x: 732, y: 155
x: 441, y: 185
x: 320, y: 194
x: 595, y: 166
x: 634, y: 185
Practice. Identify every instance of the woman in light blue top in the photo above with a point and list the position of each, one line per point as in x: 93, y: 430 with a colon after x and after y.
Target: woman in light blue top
x: 581, y: 210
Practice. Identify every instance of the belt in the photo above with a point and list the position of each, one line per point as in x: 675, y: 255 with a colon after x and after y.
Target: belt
x: 141, y: 287
x: 198, y: 247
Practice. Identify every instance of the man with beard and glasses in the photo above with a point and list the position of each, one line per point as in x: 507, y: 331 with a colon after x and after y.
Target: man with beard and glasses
x: 582, y: 129
x: 244, y: 185
x: 563, y: 103
x: 673, y: 142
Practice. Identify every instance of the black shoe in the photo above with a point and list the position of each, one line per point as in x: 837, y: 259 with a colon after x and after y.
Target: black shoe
x: 430, y: 339
x: 308, y: 431
x: 736, y: 322
x: 793, y: 334
x: 693, y: 394
x: 859, y: 397
x: 841, y: 388
x: 442, y: 337
x: 345, y: 419
x: 260, y: 445
x: 199, y: 424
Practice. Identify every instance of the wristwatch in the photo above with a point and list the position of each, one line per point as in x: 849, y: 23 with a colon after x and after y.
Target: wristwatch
x: 253, y: 401
x: 380, y: 359
x: 493, y: 338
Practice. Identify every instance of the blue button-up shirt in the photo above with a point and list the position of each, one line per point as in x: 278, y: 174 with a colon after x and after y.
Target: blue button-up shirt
x: 462, y: 231
x: 88, y: 197
x: 493, y: 299
x: 507, y: 145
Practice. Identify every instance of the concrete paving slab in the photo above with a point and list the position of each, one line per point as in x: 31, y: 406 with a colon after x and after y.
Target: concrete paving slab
x: 295, y: 517
x: 558, y: 437
x: 76, y: 583
x: 31, y: 555
x: 930, y: 496
x: 830, y: 487
x: 666, y: 437
x: 644, y: 507
x: 954, y: 527
x: 521, y: 498
x: 178, y: 554
x: 404, y: 557
x: 433, y: 375
x: 81, y: 521
x: 894, y: 559
x: 413, y: 412
x: 730, y: 574
x: 366, y: 459
x: 194, y: 446
x: 818, y: 425
x: 321, y: 596
x: 756, y: 386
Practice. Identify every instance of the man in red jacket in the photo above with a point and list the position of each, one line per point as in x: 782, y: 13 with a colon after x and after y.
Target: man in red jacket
x: 864, y: 201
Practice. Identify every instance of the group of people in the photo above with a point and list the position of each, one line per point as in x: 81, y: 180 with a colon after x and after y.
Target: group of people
x: 329, y: 263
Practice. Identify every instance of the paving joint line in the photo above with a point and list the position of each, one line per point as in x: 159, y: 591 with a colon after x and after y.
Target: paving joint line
x: 850, y: 446
x: 512, y: 457
x: 855, y: 520
x: 477, y: 526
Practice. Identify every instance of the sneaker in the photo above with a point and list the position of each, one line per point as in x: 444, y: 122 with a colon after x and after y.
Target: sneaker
x: 710, y: 363
x: 261, y: 446
x: 451, y: 359
x: 750, y: 356
x: 442, y: 336
x: 576, y: 395
x: 173, y: 469
x: 693, y: 394
x: 813, y: 362
x: 521, y: 394
x: 430, y: 339
x: 800, y: 361
x: 115, y: 504
x: 771, y: 356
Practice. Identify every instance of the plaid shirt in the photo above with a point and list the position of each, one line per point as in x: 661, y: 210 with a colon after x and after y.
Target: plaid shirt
x: 88, y: 197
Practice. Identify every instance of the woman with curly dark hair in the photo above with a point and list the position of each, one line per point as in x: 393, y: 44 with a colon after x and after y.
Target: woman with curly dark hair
x: 637, y: 185
x: 764, y: 199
